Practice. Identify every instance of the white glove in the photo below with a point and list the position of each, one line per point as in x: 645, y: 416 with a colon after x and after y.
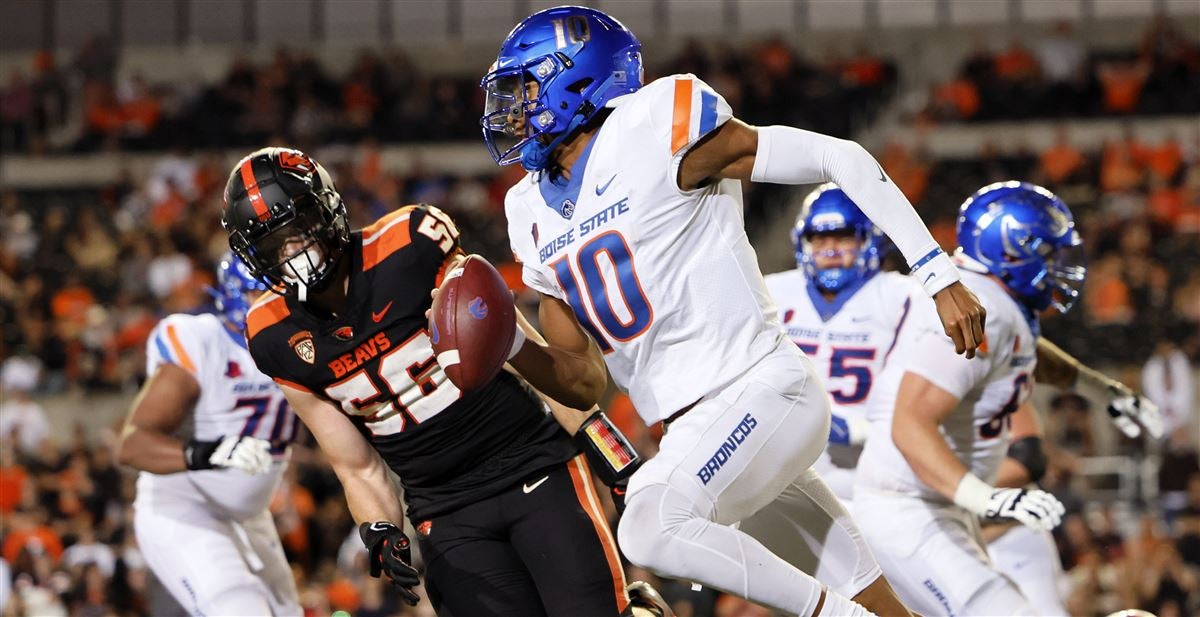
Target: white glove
x: 1031, y: 507
x: 249, y: 454
x: 1128, y: 410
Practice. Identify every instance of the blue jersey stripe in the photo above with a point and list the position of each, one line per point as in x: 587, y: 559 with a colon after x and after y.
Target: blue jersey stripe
x: 708, y: 112
x: 163, y: 350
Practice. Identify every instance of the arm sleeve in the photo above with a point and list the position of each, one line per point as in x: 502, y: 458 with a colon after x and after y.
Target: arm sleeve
x: 178, y: 340
x: 789, y: 155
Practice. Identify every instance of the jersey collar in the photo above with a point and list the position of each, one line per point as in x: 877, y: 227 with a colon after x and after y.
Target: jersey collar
x: 560, y: 194
x: 827, y: 309
x: 233, y: 333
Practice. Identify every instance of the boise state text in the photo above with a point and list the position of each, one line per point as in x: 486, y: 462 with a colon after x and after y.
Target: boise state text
x: 585, y: 227
x: 735, y: 439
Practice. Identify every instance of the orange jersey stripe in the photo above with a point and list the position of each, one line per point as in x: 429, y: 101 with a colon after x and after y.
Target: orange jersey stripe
x: 385, y: 236
x: 681, y: 118
x: 256, y: 198
x: 268, y: 311
x: 184, y: 358
x: 581, y: 477
x: 291, y: 384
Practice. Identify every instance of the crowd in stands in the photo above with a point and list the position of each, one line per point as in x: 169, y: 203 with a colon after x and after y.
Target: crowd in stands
x: 87, y: 105
x: 1059, y: 77
x: 85, y: 274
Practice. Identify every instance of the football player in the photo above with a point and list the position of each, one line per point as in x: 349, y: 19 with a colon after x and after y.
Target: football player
x: 629, y: 223
x: 940, y: 423
x: 201, y: 514
x: 507, y: 518
x: 845, y: 314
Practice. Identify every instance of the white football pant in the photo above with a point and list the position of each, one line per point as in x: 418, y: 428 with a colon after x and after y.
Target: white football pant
x: 742, y: 455
x: 933, y: 556
x: 214, y: 566
x: 1030, y: 558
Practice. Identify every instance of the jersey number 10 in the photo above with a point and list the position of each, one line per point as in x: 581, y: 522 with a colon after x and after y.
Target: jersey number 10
x: 611, y: 248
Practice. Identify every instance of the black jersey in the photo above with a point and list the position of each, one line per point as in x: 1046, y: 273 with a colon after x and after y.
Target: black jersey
x: 375, y: 362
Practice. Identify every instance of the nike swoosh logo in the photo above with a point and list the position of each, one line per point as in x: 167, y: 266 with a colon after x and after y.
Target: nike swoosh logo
x: 600, y: 189
x: 882, y: 176
x: 529, y: 488
x: 931, y: 275
x: 376, y: 317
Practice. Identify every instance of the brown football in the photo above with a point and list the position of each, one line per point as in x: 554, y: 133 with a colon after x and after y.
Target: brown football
x: 471, y: 324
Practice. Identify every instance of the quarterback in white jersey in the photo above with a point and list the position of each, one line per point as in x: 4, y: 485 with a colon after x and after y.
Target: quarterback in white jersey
x: 201, y: 516
x: 844, y: 314
x: 630, y: 225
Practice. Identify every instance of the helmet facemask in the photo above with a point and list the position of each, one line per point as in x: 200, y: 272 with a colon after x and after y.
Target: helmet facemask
x: 1063, y: 272
x: 300, y: 253
x: 835, y: 278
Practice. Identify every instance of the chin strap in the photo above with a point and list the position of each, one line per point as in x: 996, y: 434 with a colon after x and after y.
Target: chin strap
x: 535, y: 156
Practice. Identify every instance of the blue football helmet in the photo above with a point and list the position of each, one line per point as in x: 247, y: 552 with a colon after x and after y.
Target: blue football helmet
x: 234, y: 281
x: 1025, y: 236
x: 828, y: 209
x: 580, y: 59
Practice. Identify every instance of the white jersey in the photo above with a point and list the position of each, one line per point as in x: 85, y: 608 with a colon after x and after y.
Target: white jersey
x: 989, y: 387
x: 665, y: 280
x: 849, y: 340
x: 235, y: 398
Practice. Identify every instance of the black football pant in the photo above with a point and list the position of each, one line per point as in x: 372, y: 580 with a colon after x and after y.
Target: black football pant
x: 540, y: 547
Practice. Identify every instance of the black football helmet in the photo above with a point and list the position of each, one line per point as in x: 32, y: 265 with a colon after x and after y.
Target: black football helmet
x: 285, y: 220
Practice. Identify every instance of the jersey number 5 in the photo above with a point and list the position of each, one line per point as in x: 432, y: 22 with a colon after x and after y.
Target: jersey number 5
x: 605, y: 264
x: 839, y: 366
x: 409, y: 386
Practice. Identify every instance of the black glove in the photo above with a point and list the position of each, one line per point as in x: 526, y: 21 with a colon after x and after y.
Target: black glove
x: 390, y: 556
x: 609, y: 454
x: 249, y: 454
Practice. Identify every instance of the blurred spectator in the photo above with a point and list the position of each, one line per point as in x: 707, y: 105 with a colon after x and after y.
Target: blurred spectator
x: 22, y: 420
x: 1123, y: 81
x: 1106, y: 296
x: 1016, y: 64
x: 1061, y: 161
x: 16, y: 113
x: 1167, y: 380
x: 1061, y: 55
x: 5, y: 586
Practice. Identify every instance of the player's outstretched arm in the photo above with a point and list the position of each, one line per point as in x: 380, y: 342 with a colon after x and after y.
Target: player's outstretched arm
x: 1129, y: 411
x: 787, y: 155
x: 566, y: 365
x: 159, y: 410
x: 370, y: 493
x: 921, y: 407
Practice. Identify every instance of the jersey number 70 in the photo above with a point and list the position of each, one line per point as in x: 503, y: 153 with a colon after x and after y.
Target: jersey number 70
x: 599, y: 284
